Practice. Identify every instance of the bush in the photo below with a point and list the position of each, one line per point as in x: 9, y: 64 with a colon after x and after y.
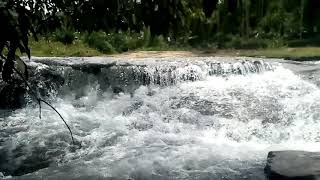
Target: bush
x: 119, y: 41
x: 139, y: 40
x: 98, y: 40
x: 145, y: 37
x: 253, y: 44
x: 276, y: 43
x: 237, y: 42
x: 234, y: 42
x: 65, y: 35
x: 315, y: 41
x: 158, y: 41
x: 125, y: 41
x: 135, y: 41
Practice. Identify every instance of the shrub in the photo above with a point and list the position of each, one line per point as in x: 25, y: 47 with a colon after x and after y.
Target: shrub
x: 234, y: 42
x: 98, y: 40
x: 237, y: 42
x: 119, y: 41
x: 65, y: 35
x: 135, y: 41
x: 315, y: 41
x: 125, y: 41
x: 146, y: 37
x: 158, y: 41
x: 276, y: 43
x: 253, y: 43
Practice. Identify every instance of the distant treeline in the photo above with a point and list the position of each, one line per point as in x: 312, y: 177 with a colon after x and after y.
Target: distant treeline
x: 197, y: 20
x: 131, y: 24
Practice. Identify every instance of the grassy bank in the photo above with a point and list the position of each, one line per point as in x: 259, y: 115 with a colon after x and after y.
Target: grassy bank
x: 78, y: 48
x: 48, y: 48
x: 285, y: 52
x: 66, y: 42
x: 45, y: 48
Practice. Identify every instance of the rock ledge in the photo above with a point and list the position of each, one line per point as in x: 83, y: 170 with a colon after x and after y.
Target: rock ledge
x: 293, y: 165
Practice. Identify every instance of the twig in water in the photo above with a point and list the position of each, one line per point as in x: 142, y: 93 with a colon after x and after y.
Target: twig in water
x: 41, y: 100
x: 60, y: 117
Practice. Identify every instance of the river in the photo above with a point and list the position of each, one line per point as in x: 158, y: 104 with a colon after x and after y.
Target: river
x: 187, y: 120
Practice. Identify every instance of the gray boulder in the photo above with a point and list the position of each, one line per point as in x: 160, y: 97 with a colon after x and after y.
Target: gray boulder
x: 293, y: 165
x: 12, y: 96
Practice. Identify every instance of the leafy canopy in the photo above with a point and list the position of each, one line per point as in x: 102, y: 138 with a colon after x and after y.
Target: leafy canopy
x: 19, y: 19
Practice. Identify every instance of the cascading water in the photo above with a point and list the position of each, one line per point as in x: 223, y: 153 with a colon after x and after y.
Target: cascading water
x: 196, y: 119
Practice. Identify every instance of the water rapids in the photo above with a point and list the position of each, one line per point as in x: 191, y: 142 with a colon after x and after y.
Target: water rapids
x: 203, y: 120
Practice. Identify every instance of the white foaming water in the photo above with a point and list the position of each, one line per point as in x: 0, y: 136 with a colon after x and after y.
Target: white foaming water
x: 216, y: 128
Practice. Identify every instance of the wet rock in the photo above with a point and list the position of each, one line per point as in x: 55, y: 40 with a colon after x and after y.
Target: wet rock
x: 17, y: 162
x: 52, y: 75
x: 72, y: 74
x: 90, y: 68
x: 12, y: 96
x: 293, y: 165
x: 117, y: 90
x: 133, y: 107
x: 46, y: 80
x: 312, y: 58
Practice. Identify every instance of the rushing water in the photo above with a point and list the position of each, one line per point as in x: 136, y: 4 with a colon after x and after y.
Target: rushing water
x: 207, y: 127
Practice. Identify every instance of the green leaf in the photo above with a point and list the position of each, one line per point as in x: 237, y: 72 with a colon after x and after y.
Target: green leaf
x: 21, y: 67
x: 3, y: 4
x: 13, y: 13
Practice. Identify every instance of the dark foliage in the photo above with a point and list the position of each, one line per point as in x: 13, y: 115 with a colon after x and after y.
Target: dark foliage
x: 219, y: 22
x: 65, y: 35
x: 19, y: 19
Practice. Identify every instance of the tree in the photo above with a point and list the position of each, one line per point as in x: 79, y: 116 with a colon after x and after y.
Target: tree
x: 19, y: 18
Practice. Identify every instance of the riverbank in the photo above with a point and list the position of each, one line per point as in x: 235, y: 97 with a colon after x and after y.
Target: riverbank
x: 301, y: 53
x: 79, y: 49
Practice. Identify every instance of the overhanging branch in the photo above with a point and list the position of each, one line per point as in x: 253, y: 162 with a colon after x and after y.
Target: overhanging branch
x: 41, y: 100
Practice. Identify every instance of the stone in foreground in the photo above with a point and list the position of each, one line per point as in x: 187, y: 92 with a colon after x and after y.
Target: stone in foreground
x: 293, y: 165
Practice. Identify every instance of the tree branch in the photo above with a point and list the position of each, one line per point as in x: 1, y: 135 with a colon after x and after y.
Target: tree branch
x: 60, y: 117
x: 41, y: 100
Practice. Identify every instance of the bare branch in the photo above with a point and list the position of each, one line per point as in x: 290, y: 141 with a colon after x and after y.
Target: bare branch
x: 41, y: 100
x: 60, y: 117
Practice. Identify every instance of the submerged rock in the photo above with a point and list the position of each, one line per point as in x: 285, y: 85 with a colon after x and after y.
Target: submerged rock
x: 293, y: 165
x: 12, y: 96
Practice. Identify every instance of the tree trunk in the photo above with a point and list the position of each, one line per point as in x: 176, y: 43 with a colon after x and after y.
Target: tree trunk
x: 262, y: 8
x: 242, y: 26
x: 301, y: 17
x: 247, y: 6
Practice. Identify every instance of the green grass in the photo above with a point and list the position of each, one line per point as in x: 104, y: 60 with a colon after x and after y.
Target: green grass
x: 79, y: 48
x: 52, y: 48
x: 284, y: 52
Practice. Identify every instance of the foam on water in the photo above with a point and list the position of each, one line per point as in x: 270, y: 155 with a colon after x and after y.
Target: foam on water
x: 216, y: 128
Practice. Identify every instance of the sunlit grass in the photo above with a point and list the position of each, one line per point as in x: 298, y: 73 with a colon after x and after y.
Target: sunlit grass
x: 284, y: 52
x: 51, y: 48
x: 79, y: 48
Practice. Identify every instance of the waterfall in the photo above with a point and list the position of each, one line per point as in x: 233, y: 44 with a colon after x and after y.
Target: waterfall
x: 199, y: 118
x: 129, y: 76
